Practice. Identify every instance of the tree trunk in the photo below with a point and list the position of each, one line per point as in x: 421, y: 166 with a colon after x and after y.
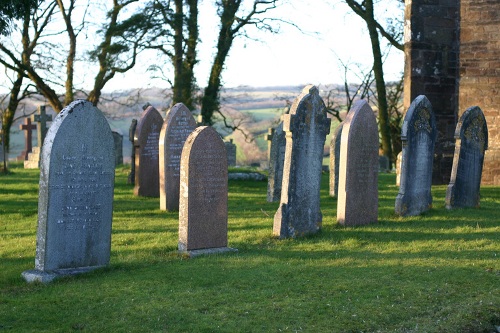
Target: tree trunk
x: 178, y: 52
x: 8, y: 114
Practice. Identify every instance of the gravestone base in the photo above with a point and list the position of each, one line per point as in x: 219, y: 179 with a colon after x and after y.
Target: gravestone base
x: 33, y: 161
x: 202, y: 252
x: 36, y: 275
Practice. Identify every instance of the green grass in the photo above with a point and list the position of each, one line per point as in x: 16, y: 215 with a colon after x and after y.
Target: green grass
x: 439, y: 272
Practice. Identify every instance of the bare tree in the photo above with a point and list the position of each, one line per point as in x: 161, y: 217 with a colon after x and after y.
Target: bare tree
x: 365, y: 10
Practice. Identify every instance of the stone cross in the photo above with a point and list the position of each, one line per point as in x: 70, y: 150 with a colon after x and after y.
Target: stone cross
x: 41, y: 118
x: 335, y: 160
x: 75, y: 201
x: 471, y: 137
x: 269, y: 138
x: 357, y: 202
x: 306, y: 127
x: 27, y: 127
x: 418, y: 137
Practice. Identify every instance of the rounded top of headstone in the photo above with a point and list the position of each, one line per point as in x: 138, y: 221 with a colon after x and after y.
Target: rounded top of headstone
x: 420, y: 112
x: 472, y: 125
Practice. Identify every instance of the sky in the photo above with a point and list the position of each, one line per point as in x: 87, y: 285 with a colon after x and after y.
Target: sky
x: 329, y: 32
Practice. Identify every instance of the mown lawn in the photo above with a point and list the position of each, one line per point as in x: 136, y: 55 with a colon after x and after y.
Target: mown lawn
x: 439, y: 272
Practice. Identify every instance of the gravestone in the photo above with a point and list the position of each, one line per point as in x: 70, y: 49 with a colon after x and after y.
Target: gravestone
x: 276, y: 162
x: 418, y: 137
x: 75, y: 204
x: 118, y: 144
x: 231, y: 152
x: 306, y: 127
x: 146, y: 143
x: 335, y: 160
x: 33, y: 161
x: 131, y: 135
x: 28, y: 127
x: 398, y: 168
x: 203, y: 194
x: 177, y: 126
x: 471, y: 142
x: 357, y: 202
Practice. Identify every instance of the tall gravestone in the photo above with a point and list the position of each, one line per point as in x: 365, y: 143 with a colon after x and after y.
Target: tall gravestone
x: 177, y: 126
x: 335, y: 160
x: 276, y: 162
x: 203, y: 213
x: 230, y: 152
x: 471, y: 137
x: 75, y: 205
x: 418, y: 137
x: 306, y: 127
x: 146, y: 144
x: 357, y: 202
x: 131, y: 135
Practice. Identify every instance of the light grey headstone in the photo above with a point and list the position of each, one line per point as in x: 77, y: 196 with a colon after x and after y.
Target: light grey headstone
x: 306, y: 127
x: 75, y: 206
x: 203, y: 215
x: 177, y: 126
x: 276, y: 162
x: 357, y: 202
x: 418, y: 136
x: 471, y: 142
x: 335, y: 160
x: 231, y: 152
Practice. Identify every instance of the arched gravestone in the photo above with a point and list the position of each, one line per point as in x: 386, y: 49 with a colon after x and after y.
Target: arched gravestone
x: 471, y: 137
x: 335, y: 160
x: 146, y: 143
x: 203, y: 194
x: 357, y: 202
x: 75, y: 206
x: 418, y: 137
x: 306, y: 127
x: 276, y: 161
x: 177, y: 126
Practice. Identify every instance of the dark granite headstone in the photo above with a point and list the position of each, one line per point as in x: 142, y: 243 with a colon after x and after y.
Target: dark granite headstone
x: 41, y: 118
x: 471, y: 137
x: 357, y: 202
x: 203, y: 193
x: 335, y: 160
x: 306, y: 127
x: 231, y: 152
x: 418, y: 136
x: 75, y: 206
x: 276, y: 162
x: 28, y: 127
x: 146, y: 143
x: 131, y: 135
x: 118, y: 141
x: 177, y: 126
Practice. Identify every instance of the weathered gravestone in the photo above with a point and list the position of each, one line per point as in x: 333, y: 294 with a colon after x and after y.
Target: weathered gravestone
x: 357, y: 201
x: 178, y: 124
x: 306, y: 127
x: 230, y: 152
x: 276, y: 162
x: 203, y: 194
x: 146, y: 143
x: 28, y: 127
x: 75, y: 205
x: 335, y: 160
x: 418, y: 136
x: 118, y: 144
x: 131, y: 135
x: 471, y: 137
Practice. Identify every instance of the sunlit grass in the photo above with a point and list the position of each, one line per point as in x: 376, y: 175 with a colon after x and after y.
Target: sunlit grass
x: 438, y: 272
